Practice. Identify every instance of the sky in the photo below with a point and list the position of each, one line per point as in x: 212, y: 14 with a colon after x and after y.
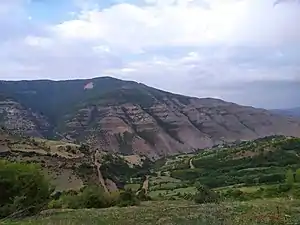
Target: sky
x: 244, y: 51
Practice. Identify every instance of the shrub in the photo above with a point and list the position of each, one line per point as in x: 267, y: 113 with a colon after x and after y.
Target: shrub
x: 142, y: 196
x: 23, y: 189
x: 188, y: 196
x: 128, y: 198
x: 205, y: 195
x: 84, y: 148
x: 237, y: 194
x: 91, y: 197
x: 55, y: 204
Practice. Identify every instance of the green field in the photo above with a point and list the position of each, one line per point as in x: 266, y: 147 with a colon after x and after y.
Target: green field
x: 258, y: 212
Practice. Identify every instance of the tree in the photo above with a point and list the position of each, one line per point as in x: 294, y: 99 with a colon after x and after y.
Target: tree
x: 289, y: 177
x: 205, y: 195
x: 128, y: 198
x: 23, y: 189
x: 297, y: 177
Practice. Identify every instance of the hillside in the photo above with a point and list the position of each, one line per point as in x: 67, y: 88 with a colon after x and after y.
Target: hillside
x: 249, y: 179
x: 246, y: 170
x: 261, y: 161
x: 70, y: 166
x: 131, y: 118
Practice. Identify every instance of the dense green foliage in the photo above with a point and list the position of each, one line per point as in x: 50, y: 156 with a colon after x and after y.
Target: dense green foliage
x: 117, y: 169
x: 23, y: 189
x: 263, y: 161
x: 93, y: 197
x: 128, y: 198
x: 88, y: 197
x: 205, y: 195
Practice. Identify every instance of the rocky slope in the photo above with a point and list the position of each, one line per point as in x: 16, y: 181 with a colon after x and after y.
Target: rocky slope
x: 131, y: 118
x: 71, y: 166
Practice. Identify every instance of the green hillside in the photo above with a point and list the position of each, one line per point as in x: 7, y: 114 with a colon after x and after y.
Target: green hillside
x: 254, y: 182
x: 249, y: 166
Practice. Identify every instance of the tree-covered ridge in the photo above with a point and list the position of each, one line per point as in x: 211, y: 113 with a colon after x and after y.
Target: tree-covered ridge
x: 261, y: 161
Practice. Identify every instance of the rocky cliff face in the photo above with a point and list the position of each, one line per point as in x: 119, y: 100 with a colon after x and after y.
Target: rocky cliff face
x: 21, y: 120
x: 131, y: 118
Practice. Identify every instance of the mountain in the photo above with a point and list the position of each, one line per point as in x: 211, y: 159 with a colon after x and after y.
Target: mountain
x: 126, y: 117
x: 294, y: 112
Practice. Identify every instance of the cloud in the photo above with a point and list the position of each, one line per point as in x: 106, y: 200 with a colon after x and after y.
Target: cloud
x: 200, y: 47
x: 174, y: 22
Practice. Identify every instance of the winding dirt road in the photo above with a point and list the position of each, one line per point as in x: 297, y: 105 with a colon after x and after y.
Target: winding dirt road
x: 191, y: 164
x: 100, y: 176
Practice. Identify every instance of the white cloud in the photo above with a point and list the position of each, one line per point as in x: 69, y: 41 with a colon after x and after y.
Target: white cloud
x: 179, y: 23
x: 35, y: 41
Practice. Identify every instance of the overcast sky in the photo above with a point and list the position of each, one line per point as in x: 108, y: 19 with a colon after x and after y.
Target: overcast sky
x: 245, y: 51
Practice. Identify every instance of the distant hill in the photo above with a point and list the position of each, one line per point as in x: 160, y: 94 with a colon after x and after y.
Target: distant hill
x: 130, y: 118
x: 294, y: 112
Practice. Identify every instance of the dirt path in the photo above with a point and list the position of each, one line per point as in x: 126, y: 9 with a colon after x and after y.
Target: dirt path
x: 191, y: 164
x: 146, y: 184
x: 100, y: 177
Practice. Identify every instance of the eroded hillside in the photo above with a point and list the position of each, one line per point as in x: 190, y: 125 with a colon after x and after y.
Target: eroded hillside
x: 130, y: 118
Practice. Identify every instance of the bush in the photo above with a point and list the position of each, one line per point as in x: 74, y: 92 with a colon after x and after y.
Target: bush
x: 205, y: 195
x: 55, y: 204
x: 94, y: 197
x: 23, y: 189
x: 90, y: 197
x: 188, y: 196
x: 237, y: 194
x: 142, y: 196
x: 128, y: 198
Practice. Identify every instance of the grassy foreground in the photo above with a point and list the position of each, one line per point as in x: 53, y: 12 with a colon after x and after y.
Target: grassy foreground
x: 276, y: 211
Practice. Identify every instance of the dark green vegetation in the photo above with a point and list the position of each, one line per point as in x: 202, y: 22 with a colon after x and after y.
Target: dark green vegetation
x: 264, y: 168
x: 117, y: 169
x: 93, y: 197
x: 23, y: 189
x: 263, y: 161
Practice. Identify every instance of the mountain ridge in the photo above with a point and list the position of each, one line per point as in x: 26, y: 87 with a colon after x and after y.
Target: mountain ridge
x: 294, y: 112
x: 131, y: 118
